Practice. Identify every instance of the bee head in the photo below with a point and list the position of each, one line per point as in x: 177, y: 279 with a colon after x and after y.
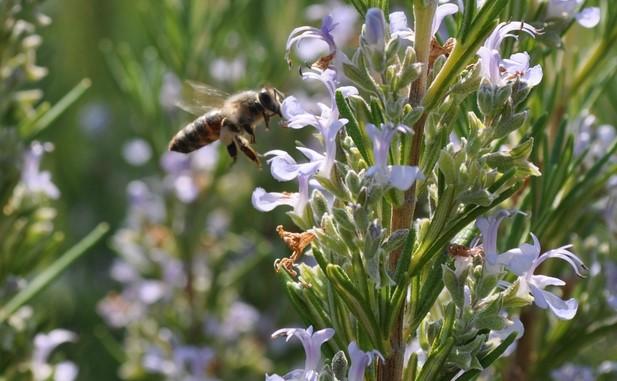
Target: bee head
x: 270, y: 98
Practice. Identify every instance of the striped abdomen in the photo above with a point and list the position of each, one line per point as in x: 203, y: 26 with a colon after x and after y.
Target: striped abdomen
x: 203, y: 130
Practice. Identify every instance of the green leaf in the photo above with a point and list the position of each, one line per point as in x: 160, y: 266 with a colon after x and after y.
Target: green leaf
x: 352, y: 126
x: 51, y: 273
x: 357, y: 304
x: 35, y: 126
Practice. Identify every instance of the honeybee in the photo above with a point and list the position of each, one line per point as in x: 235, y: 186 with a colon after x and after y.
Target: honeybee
x: 229, y: 118
x: 457, y: 250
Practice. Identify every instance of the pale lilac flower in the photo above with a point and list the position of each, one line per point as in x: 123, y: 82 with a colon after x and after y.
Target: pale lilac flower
x: 241, y: 318
x: 137, y: 152
x: 154, y: 360
x: 359, y: 361
x: 144, y: 205
x: 398, y: 176
x: 375, y: 29
x: 44, y: 344
x: 66, y: 371
x: 327, y: 123
x: 343, y: 15
x: 461, y: 3
x: 513, y: 326
x: 567, y: 9
x: 571, y: 372
x: 33, y: 179
x: 193, y: 362
x: 488, y: 227
x: 442, y: 11
x: 119, y: 312
x: 94, y: 118
x: 399, y: 27
x: 312, y: 342
x: 610, y: 278
x: 523, y: 261
x: 228, y: 70
x: 318, y: 42
x: 183, y: 171
x: 498, y: 71
x: 284, y: 168
x: 171, y: 90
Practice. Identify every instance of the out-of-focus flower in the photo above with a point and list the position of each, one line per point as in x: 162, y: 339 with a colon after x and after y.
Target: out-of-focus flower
x: 523, y: 261
x: 119, y: 312
x: 571, y: 372
x: 399, y: 176
x: 137, y: 152
x: 359, y: 361
x: 312, y: 43
x: 144, y: 205
x: 33, y: 179
x: 567, y: 9
x: 44, y: 344
x: 343, y: 15
x: 228, y: 70
x: 498, y: 71
x: 94, y: 118
x: 194, y: 362
x: 184, y: 171
x: 311, y: 341
x: 170, y: 92
x: 241, y: 318
x: 610, y: 278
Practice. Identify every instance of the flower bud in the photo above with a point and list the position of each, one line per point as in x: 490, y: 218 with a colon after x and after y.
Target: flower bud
x: 492, y: 99
x: 339, y: 365
x: 373, y: 39
x: 375, y: 29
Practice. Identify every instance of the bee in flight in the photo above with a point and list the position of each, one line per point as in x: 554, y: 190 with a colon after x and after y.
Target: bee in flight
x: 229, y: 118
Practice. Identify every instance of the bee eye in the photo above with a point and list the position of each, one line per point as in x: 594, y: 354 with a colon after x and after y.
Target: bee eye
x: 265, y: 98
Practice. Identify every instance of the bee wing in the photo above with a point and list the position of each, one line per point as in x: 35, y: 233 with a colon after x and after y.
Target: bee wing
x: 198, y: 98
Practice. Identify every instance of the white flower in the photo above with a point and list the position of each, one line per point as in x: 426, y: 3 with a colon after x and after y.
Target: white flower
x: 327, y: 123
x: 398, y: 176
x: 34, y: 180
x: 137, y: 152
x: 312, y: 342
x: 44, y: 344
x: 488, y: 227
x: 499, y: 71
x: 567, y: 9
x: 524, y: 261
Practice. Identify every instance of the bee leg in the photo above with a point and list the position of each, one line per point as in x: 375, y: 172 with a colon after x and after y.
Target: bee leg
x: 233, y: 151
x: 267, y: 121
x: 247, y: 150
x: 249, y: 130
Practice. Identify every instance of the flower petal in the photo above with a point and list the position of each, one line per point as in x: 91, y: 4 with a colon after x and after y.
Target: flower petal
x: 266, y: 201
x: 563, y: 309
x: 403, y: 176
x: 589, y: 17
x: 441, y: 12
